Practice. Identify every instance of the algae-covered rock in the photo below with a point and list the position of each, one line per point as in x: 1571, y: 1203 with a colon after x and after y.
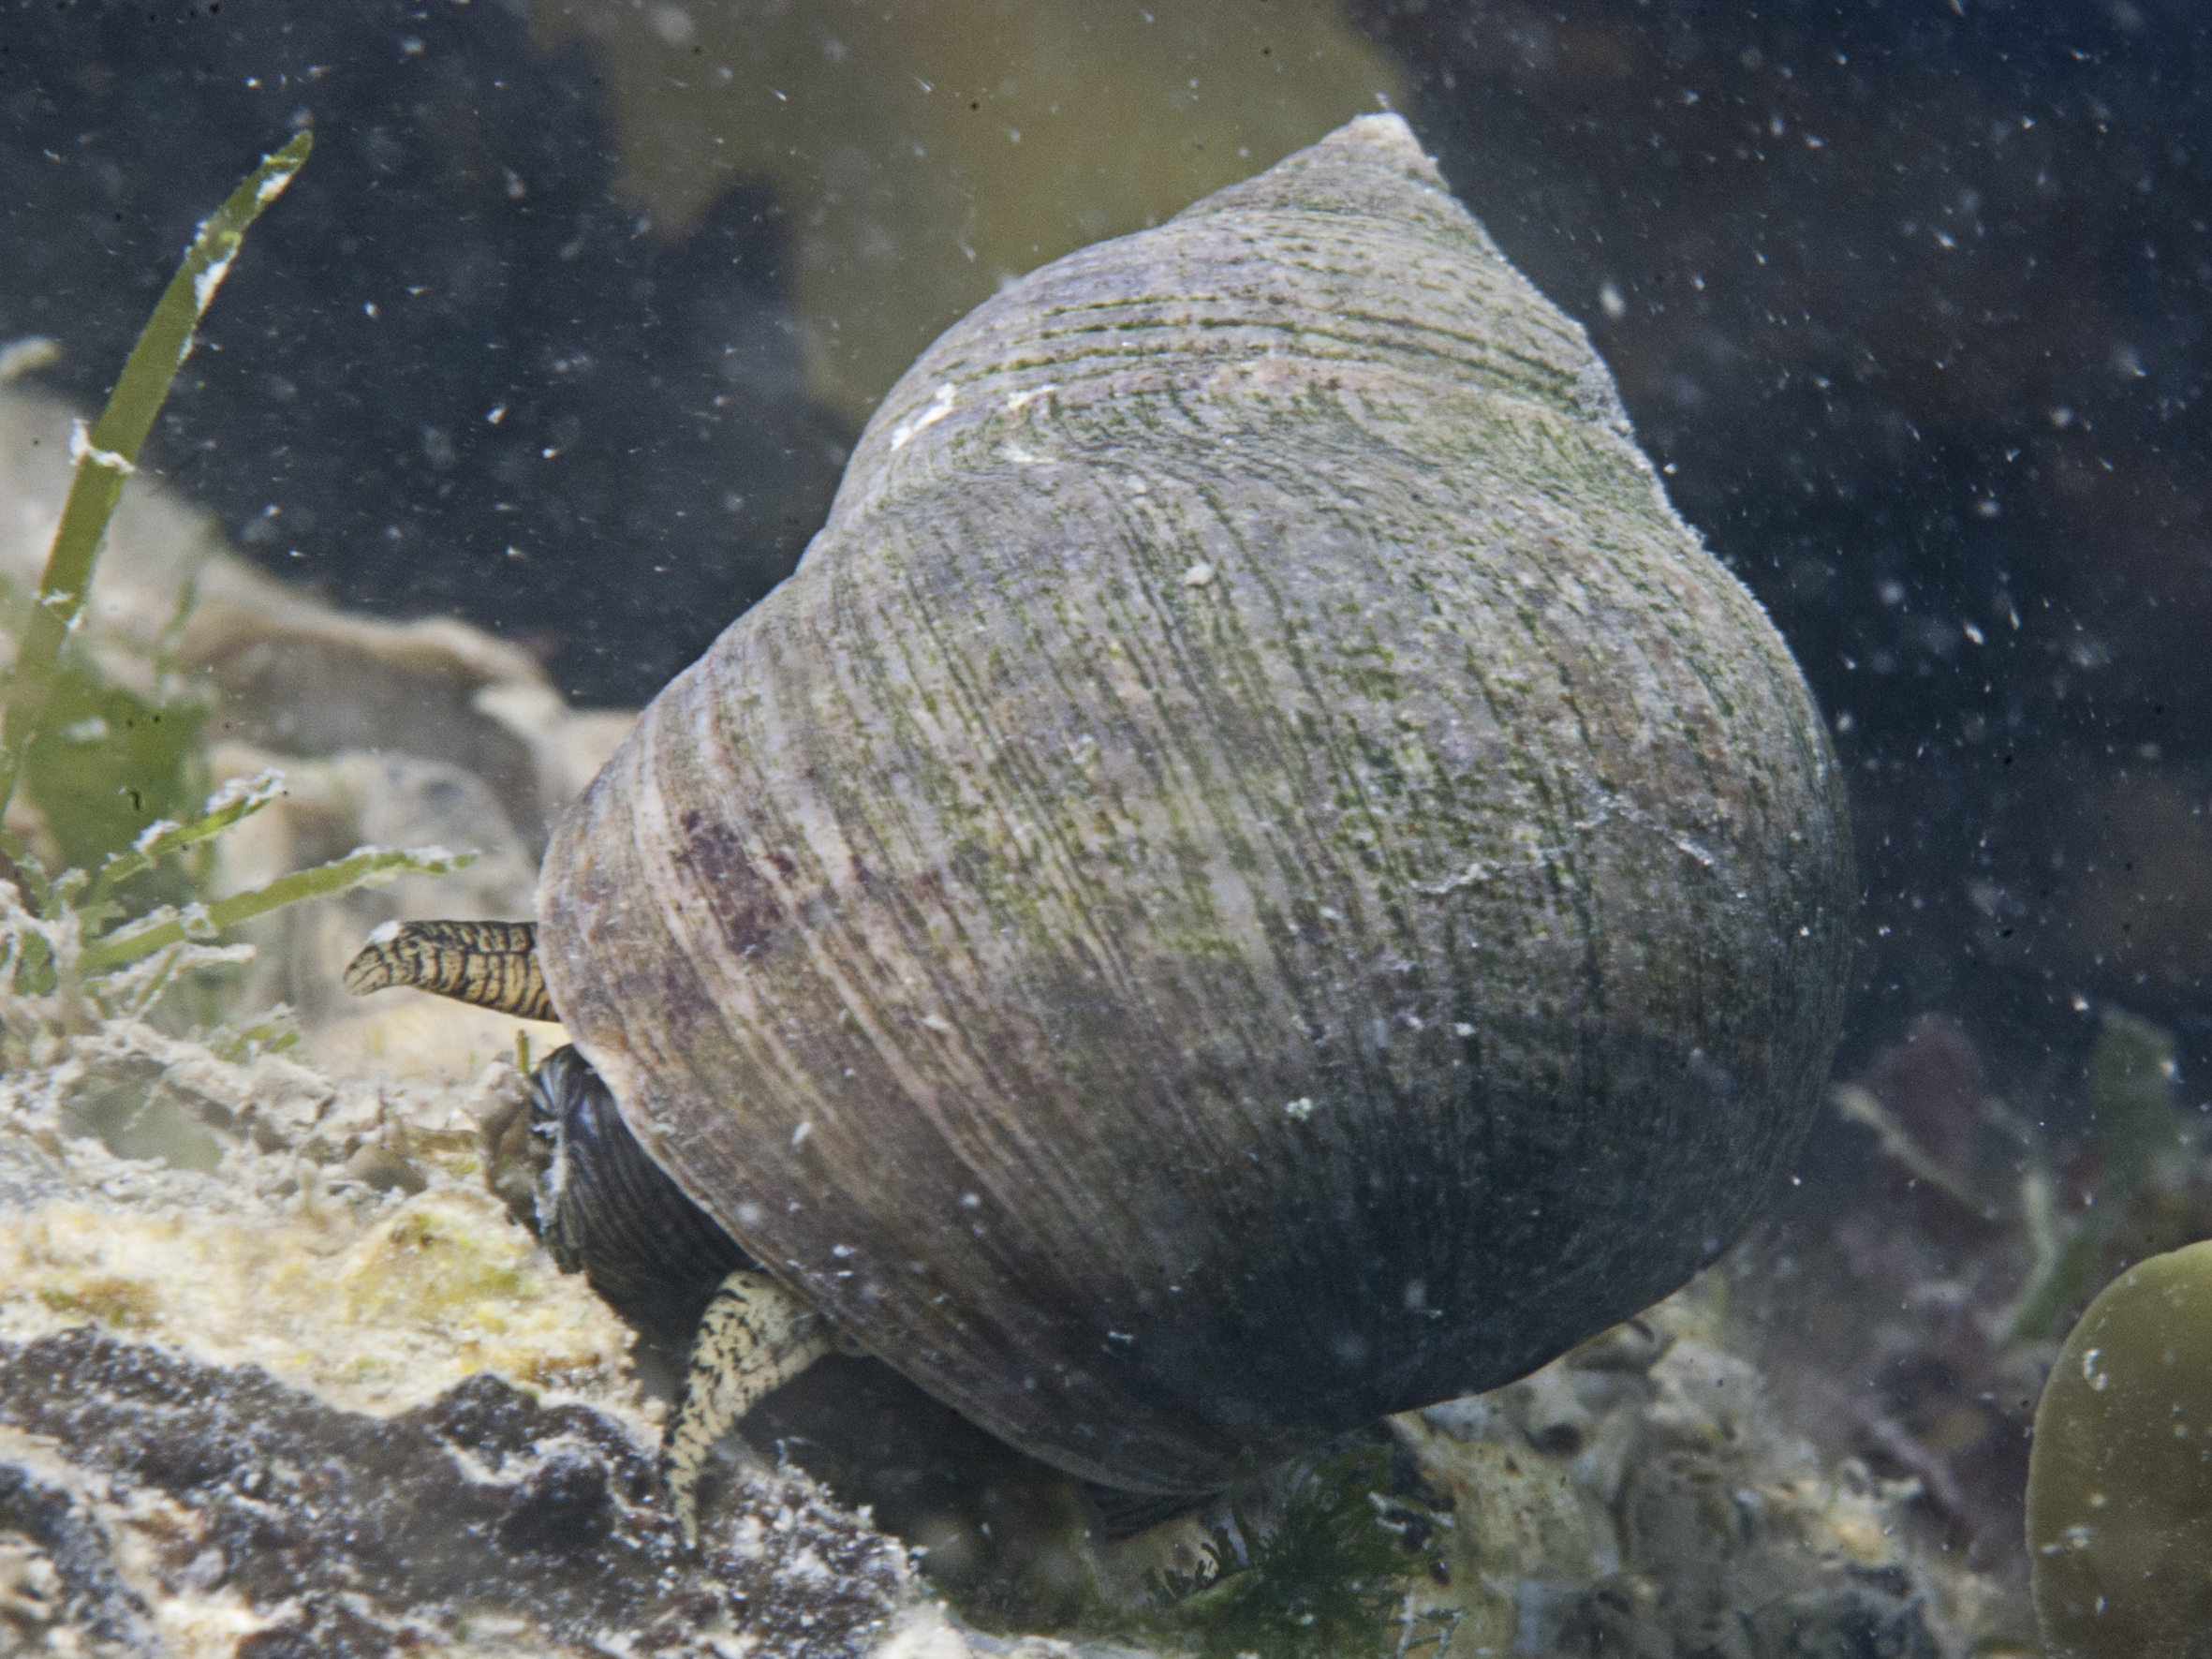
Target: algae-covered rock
x: 339, y: 1236
x: 338, y: 1292
x: 324, y: 1396
x: 1642, y: 1496
x: 183, y: 1505
x: 2120, y: 1486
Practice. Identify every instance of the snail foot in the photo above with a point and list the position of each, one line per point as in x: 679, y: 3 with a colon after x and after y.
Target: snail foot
x: 754, y: 1338
x: 1125, y: 1514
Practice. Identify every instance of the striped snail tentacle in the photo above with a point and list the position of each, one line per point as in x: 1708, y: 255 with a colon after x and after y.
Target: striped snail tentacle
x: 492, y: 964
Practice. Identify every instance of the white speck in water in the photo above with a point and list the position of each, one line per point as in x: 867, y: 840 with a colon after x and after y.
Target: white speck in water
x: 1199, y: 575
x: 1300, y: 1108
x: 936, y: 1022
x: 1611, y: 303
x: 806, y: 1128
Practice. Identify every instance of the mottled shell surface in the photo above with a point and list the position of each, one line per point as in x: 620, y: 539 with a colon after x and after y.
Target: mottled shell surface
x: 1257, y: 875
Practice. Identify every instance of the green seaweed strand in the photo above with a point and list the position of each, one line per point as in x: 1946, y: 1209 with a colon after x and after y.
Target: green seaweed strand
x: 106, y: 456
x: 370, y: 866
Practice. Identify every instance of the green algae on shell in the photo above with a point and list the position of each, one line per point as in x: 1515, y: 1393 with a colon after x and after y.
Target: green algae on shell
x: 1256, y: 876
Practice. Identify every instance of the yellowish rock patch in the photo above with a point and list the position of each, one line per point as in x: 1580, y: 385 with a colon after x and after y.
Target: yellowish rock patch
x: 379, y: 1313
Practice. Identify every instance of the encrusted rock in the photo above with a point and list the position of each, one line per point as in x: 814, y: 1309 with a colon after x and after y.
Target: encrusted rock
x: 166, y: 1494
x: 437, y: 1439
x: 1640, y: 1496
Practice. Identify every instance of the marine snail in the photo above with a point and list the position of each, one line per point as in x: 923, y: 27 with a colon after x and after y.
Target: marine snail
x: 1256, y: 876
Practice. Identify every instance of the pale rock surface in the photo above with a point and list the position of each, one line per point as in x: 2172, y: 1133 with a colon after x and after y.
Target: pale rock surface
x: 327, y: 1396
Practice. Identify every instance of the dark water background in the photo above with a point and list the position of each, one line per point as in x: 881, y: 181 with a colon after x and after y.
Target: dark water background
x: 1909, y: 300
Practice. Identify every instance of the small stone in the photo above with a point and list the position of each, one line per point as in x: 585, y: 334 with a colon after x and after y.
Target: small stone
x: 384, y: 1170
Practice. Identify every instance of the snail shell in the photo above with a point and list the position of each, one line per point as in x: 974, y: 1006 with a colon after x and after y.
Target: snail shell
x: 1257, y: 875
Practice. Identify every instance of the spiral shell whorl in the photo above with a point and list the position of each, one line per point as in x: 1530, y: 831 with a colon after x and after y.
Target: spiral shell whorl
x: 1254, y: 876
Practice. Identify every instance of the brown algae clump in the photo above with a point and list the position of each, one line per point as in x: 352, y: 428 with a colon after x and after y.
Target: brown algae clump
x: 2120, y: 1486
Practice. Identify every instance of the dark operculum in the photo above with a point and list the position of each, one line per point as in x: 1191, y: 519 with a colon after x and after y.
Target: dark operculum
x: 607, y: 1210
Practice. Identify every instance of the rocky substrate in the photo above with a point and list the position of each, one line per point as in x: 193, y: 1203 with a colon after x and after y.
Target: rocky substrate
x: 327, y: 1397
x: 197, y: 1507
